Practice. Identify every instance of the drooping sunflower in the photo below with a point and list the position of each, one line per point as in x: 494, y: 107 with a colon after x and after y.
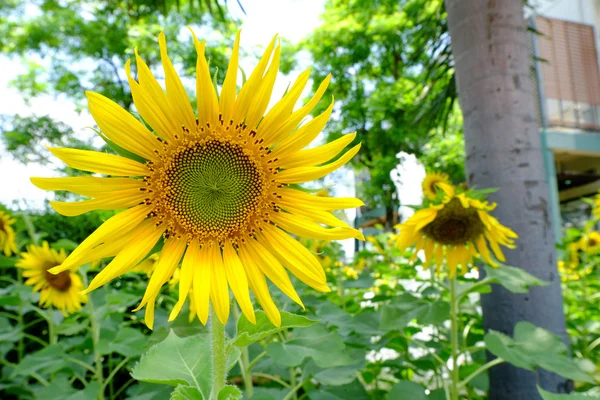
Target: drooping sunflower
x: 62, y: 290
x: 8, y: 241
x: 455, y: 230
x: 433, y: 182
x: 219, y: 187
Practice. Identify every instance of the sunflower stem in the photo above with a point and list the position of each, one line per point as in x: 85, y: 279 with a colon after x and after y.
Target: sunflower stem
x: 95, y: 339
x: 219, y: 355
x: 454, y: 338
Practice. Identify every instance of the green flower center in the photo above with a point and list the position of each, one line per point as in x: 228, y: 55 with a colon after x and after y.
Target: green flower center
x: 212, y: 187
x: 455, y: 224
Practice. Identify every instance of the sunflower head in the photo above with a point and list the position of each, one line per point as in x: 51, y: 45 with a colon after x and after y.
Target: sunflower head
x: 215, y: 186
x: 455, y: 230
x: 62, y: 290
x: 433, y: 183
x: 590, y: 243
x: 8, y: 241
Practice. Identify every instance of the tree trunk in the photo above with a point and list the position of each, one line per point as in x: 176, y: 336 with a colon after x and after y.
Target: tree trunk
x: 503, y: 149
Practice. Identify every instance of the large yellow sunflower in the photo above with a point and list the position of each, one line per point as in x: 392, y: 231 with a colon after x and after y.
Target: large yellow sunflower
x: 62, y: 290
x: 8, y: 241
x: 220, y: 188
x: 433, y: 182
x: 455, y: 230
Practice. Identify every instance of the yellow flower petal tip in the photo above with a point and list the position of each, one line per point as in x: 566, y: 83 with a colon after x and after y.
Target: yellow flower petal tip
x: 216, y: 185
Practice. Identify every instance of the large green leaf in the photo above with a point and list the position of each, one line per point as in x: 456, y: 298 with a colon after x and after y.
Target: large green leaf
x: 9, y: 333
x: 248, y: 333
x: 516, y: 280
x: 177, y: 361
x: 186, y: 393
x: 229, y: 393
x: 407, y: 390
x: 534, y: 347
x: 353, y: 390
x: 327, y: 349
x: 573, y: 396
x: 128, y: 342
x: 406, y: 307
x: 59, y: 388
x: 50, y: 359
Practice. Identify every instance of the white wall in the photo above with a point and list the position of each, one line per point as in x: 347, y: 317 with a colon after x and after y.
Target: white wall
x: 581, y: 11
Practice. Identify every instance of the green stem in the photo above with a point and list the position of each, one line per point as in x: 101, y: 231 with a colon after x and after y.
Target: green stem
x: 20, y: 321
x: 292, y: 393
x: 219, y: 356
x: 454, y: 338
x: 244, y: 362
x: 257, y: 359
x: 479, y: 370
x: 246, y: 372
x: 52, y: 339
x: 273, y: 378
x: 293, y: 383
x: 114, y: 372
x: 95, y: 339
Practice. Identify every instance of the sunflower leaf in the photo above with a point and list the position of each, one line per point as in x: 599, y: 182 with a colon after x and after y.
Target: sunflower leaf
x: 407, y: 390
x: 573, y: 396
x: 533, y: 348
x: 515, y: 280
x: 248, y: 333
x: 182, y: 392
x: 327, y: 349
x: 177, y: 361
x: 406, y: 307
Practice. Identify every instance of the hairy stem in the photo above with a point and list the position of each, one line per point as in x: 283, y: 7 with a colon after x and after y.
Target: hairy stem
x: 219, y: 355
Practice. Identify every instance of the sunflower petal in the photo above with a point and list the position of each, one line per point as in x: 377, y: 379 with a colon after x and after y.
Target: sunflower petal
x: 306, y: 228
x: 117, y: 225
x: 91, y: 186
x: 146, y: 236
x: 190, y: 262
x: 113, y: 201
x: 258, y: 285
x: 219, y: 291
x: 260, y: 102
x: 176, y: 94
x: 236, y: 277
x: 271, y: 267
x: 102, y: 163
x: 202, y: 285
x: 317, y: 155
x: 170, y: 256
x: 228, y: 91
x: 280, y: 111
x: 318, y: 202
x: 303, y: 136
x: 121, y: 127
x: 305, y: 174
x: 206, y: 96
x: 251, y: 87
x: 291, y: 123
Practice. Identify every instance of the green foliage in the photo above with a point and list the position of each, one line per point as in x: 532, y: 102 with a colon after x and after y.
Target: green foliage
x: 70, y: 47
x: 248, y: 333
x: 395, y: 95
